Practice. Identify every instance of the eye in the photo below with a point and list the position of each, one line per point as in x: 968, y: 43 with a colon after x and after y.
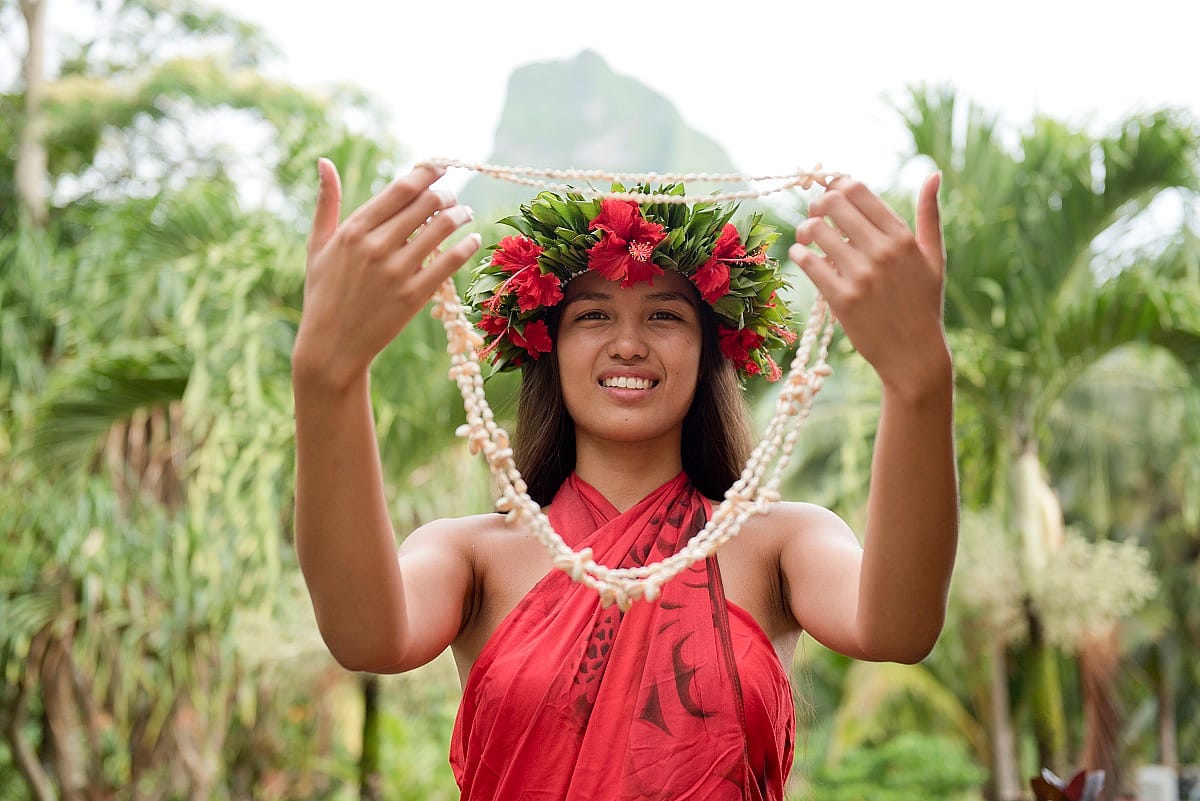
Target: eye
x: 593, y: 314
x: 665, y: 314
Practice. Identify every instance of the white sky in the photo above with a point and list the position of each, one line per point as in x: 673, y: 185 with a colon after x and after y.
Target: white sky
x: 779, y: 84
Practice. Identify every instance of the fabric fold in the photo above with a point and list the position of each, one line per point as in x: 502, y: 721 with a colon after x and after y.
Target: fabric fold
x: 572, y: 701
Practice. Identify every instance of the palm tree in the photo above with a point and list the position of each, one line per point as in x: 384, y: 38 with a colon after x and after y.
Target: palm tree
x: 145, y: 439
x: 1126, y: 461
x: 1041, y: 288
x: 1035, y: 299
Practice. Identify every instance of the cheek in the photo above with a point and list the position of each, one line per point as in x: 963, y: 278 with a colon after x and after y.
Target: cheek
x: 685, y: 372
x: 574, y: 372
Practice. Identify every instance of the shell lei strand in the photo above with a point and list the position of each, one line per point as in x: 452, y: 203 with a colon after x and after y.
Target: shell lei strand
x: 752, y: 494
x: 756, y: 489
x: 803, y: 179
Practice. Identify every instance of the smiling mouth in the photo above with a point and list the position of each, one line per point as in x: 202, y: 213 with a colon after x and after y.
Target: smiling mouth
x: 628, y: 382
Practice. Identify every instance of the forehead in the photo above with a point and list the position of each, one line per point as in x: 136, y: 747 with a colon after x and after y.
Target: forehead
x: 591, y: 282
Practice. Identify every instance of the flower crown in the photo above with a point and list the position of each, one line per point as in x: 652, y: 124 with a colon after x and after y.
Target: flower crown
x: 562, y: 237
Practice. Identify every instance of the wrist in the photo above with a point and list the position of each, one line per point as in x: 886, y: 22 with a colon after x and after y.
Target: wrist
x: 926, y: 380
x: 315, y: 375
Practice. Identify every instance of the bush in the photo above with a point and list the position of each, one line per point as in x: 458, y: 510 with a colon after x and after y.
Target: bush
x: 909, y: 766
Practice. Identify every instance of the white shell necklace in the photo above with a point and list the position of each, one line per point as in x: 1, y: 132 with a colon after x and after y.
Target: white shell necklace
x: 758, y: 486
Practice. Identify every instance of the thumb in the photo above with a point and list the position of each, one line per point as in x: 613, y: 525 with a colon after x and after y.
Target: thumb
x: 329, y: 206
x: 929, y: 221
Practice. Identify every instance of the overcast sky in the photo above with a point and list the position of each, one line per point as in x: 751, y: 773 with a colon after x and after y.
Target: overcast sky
x: 779, y: 84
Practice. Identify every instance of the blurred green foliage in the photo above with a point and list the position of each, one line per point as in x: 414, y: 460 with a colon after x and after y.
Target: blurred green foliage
x: 156, y: 639
x: 909, y: 765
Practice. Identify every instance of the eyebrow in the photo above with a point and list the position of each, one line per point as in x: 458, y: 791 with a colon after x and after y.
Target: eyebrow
x: 590, y: 294
x: 657, y: 297
x: 669, y: 294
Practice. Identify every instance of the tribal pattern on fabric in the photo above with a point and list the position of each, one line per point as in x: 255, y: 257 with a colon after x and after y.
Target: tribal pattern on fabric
x: 679, y: 699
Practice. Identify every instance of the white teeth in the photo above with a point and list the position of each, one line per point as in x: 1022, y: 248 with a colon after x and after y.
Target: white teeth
x: 627, y: 382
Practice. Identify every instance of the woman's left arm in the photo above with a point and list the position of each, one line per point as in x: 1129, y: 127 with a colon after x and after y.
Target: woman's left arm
x: 885, y: 284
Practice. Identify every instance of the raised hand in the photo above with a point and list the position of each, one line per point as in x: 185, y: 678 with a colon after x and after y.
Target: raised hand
x: 365, y: 278
x: 884, y: 282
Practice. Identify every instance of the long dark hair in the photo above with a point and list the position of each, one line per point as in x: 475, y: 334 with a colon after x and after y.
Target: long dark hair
x: 717, y: 435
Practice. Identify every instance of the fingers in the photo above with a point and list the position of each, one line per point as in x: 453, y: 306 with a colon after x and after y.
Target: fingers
x: 329, y: 206
x: 436, y: 230
x: 395, y: 197
x: 929, y: 222
x: 847, y: 217
x: 872, y: 207
x: 815, y: 230
x: 443, y: 266
x: 394, y: 232
x: 818, y: 269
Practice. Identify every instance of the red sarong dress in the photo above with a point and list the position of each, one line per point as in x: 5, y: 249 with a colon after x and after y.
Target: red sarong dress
x: 679, y: 699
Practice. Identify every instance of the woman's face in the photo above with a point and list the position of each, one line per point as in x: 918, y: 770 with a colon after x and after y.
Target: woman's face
x: 628, y: 358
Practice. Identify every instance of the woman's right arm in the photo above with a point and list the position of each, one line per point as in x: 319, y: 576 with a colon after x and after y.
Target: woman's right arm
x: 364, y: 282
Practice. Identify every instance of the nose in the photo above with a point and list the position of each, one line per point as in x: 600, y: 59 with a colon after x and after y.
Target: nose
x: 628, y: 341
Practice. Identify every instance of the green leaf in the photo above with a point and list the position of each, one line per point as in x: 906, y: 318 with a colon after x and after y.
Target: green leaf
x: 519, y: 223
x: 732, y: 308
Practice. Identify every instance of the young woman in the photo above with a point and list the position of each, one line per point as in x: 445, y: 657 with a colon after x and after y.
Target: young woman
x: 632, y: 396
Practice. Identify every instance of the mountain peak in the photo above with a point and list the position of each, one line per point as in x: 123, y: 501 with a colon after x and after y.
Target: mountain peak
x: 579, y: 113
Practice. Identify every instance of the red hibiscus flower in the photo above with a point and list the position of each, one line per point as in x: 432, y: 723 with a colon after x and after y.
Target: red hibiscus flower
x: 729, y: 244
x: 535, y: 340
x: 628, y: 239
x: 516, y: 253
x: 736, y: 346
x: 774, y: 372
x: 784, y: 333
x: 519, y: 255
x: 712, y: 278
x: 492, y: 325
x: 535, y: 289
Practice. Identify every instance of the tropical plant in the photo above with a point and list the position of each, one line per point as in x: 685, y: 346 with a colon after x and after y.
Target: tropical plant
x: 146, y: 327
x: 909, y: 765
x: 1041, y: 299
x: 1042, y: 286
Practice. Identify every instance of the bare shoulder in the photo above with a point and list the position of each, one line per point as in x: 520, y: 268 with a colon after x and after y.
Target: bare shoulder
x: 820, y: 564
x: 457, y: 533
x: 797, y: 524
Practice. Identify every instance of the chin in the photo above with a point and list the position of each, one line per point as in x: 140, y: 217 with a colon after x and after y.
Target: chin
x: 630, y: 431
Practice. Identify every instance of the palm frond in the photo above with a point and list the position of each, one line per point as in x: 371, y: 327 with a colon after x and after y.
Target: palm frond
x: 87, y: 397
x: 875, y: 691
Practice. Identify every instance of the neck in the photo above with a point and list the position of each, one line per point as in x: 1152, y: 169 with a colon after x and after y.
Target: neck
x: 625, y: 472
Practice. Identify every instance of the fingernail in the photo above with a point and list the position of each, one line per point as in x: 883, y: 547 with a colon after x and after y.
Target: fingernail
x: 476, y: 240
x: 445, y: 197
x: 460, y: 214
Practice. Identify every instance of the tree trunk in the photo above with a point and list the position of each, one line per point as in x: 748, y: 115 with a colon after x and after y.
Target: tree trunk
x: 370, y: 781
x: 1049, y: 719
x: 1099, y: 661
x: 1005, y: 769
x: 31, y: 170
x: 1168, y: 726
x: 65, y: 722
x: 1040, y: 521
x: 23, y: 753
